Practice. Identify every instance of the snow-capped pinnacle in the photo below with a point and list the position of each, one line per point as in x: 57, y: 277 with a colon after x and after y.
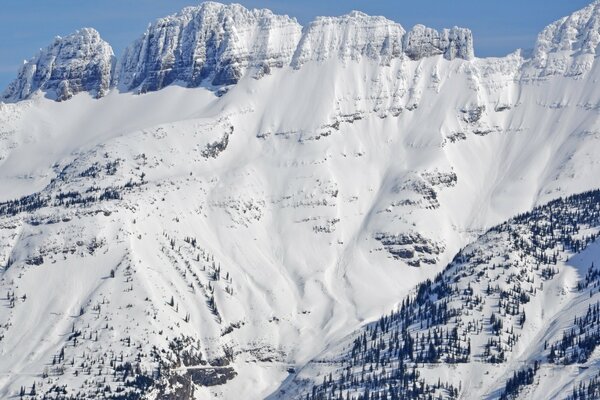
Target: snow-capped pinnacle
x: 568, y: 46
x: 453, y: 43
x: 79, y: 62
x: 212, y: 41
x: 349, y: 37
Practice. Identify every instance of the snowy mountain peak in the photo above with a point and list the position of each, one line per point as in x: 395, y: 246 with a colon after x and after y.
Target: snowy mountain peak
x: 349, y: 37
x: 357, y: 14
x: 79, y: 62
x: 568, y: 46
x: 213, y: 41
x: 357, y: 35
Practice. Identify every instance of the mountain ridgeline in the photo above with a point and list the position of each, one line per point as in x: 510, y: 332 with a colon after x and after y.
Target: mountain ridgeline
x: 216, y: 44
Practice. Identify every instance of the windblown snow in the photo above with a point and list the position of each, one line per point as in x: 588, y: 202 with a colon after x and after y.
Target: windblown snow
x: 221, y: 211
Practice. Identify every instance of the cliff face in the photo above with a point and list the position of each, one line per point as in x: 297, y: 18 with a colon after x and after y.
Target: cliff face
x: 211, y: 41
x: 216, y: 44
x: 349, y: 37
x: 569, y: 45
x: 80, y: 62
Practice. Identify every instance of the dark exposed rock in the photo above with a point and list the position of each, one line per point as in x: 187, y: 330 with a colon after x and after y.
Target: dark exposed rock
x: 412, y: 248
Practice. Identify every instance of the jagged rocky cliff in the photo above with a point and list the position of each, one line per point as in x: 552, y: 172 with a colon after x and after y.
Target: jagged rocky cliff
x: 80, y: 62
x: 216, y: 44
x: 569, y: 45
x: 211, y: 41
x: 350, y: 37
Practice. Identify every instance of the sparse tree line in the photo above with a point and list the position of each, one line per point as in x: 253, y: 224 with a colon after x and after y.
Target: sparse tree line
x: 434, y: 324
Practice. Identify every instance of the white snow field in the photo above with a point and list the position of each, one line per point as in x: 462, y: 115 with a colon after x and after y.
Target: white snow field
x: 207, y: 227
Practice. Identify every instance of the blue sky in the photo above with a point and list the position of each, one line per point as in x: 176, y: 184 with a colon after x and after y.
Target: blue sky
x: 499, y: 27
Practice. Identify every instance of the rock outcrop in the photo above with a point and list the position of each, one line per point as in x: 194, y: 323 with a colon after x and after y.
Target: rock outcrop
x: 350, y: 37
x: 212, y: 41
x: 421, y: 42
x: 569, y: 45
x: 80, y: 62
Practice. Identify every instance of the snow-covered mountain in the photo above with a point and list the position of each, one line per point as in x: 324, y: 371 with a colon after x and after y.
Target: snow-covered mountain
x: 224, y: 209
x: 80, y: 62
x: 569, y: 45
x: 211, y: 41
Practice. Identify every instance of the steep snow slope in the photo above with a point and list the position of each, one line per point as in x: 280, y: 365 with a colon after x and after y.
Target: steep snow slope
x: 223, y: 236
